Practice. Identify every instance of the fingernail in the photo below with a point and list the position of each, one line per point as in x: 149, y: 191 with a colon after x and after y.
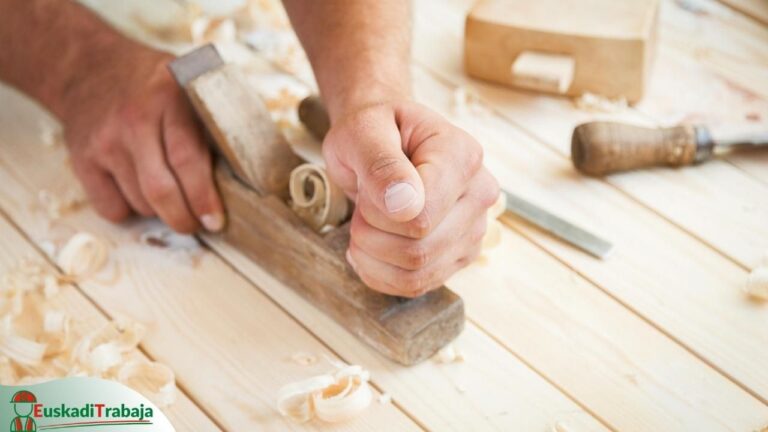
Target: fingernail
x: 351, y: 261
x: 212, y: 222
x: 399, y: 196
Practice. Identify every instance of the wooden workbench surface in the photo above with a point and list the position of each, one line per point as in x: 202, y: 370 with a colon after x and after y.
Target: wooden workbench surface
x: 658, y: 337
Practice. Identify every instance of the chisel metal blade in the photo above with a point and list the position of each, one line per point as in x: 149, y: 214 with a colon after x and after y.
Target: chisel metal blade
x: 557, y: 226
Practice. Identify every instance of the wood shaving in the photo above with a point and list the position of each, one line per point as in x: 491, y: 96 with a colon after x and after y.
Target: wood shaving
x: 448, y: 354
x: 315, y: 199
x: 467, y: 101
x: 595, y: 103
x: 50, y: 135
x: 493, y: 228
x: 560, y: 427
x: 83, y: 255
x: 385, y: 398
x: 154, y: 380
x: 757, y: 284
x: 57, y: 205
x: 39, y: 342
x: 332, y: 397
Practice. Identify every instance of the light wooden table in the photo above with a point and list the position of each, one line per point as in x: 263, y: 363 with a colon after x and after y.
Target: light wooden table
x: 659, y: 337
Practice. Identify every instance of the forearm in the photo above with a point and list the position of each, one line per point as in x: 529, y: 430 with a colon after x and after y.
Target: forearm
x: 48, y: 45
x: 359, y: 50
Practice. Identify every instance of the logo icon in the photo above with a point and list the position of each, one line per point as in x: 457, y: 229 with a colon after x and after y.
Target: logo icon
x: 23, y: 402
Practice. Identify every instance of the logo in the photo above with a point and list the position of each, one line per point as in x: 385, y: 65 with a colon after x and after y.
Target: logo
x: 79, y: 404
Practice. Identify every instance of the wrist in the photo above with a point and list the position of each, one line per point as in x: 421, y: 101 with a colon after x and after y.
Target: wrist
x: 361, y: 94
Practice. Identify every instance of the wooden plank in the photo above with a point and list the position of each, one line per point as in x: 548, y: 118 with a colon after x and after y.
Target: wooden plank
x: 578, y: 337
x: 756, y: 9
x: 738, y: 197
x: 489, y: 390
x: 550, y: 323
x: 724, y: 59
x: 229, y: 345
x: 183, y: 413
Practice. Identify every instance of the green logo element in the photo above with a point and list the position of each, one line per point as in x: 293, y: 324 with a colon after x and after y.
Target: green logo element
x: 22, y: 402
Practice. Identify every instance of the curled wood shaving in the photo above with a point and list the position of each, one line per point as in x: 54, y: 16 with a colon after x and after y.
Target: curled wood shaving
x: 83, y: 255
x: 332, y: 397
x: 757, y: 284
x: 560, y: 427
x: 154, y: 380
x: 315, y: 199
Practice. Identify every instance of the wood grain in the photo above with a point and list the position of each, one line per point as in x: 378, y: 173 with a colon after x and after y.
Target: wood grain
x: 229, y: 345
x: 756, y: 9
x: 738, y: 201
x: 542, y: 334
x: 243, y: 130
x: 265, y: 229
x: 184, y: 414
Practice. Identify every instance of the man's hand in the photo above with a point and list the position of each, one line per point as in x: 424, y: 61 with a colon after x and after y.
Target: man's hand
x: 136, y: 147
x: 132, y: 136
x: 421, y: 195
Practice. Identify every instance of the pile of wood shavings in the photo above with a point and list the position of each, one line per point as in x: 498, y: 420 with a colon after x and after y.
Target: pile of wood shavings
x: 40, y: 342
x: 333, y: 397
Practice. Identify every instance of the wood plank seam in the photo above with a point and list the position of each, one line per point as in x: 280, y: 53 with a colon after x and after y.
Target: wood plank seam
x: 496, y: 112
x: 100, y: 310
x: 541, y: 374
x: 253, y: 284
x: 634, y: 311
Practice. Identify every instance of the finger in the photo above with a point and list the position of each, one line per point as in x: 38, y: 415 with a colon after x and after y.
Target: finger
x: 446, y: 157
x: 482, y: 190
x: 158, y: 184
x: 123, y: 171
x: 102, y: 191
x: 383, y: 174
x: 393, y: 280
x: 190, y: 161
x: 464, y: 225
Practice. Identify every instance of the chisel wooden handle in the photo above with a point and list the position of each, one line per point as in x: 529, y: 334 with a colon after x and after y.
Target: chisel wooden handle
x: 600, y: 148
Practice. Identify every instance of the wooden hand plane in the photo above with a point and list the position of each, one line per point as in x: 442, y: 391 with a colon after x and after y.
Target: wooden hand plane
x: 252, y: 172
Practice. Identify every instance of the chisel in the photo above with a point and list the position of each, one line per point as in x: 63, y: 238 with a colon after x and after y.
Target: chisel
x: 313, y: 115
x: 600, y: 148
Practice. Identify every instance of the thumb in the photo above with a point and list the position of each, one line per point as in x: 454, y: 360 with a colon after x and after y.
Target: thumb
x: 386, y: 178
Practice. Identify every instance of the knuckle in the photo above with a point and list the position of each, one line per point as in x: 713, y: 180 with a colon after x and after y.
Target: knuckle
x: 490, y: 192
x: 474, y: 156
x: 420, y: 226
x: 383, y: 167
x: 182, y: 156
x: 412, y: 282
x: 416, y: 255
x: 159, y: 189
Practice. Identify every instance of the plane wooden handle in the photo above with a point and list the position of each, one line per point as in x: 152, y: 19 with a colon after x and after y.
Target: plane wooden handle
x: 313, y: 115
x: 600, y: 148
